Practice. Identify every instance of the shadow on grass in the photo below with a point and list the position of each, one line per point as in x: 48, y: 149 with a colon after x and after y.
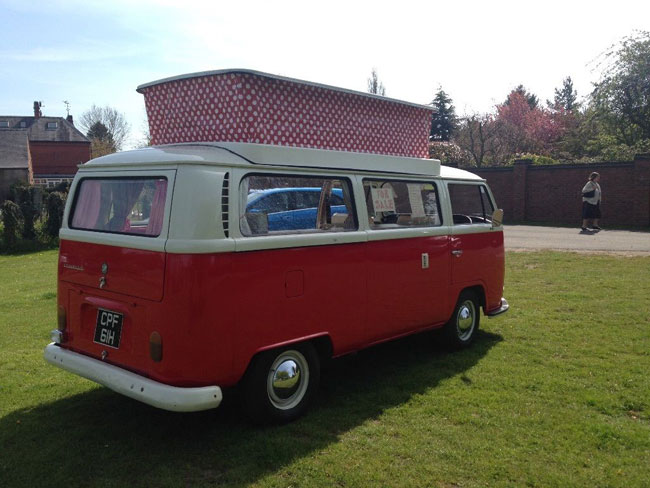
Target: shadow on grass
x: 100, y: 438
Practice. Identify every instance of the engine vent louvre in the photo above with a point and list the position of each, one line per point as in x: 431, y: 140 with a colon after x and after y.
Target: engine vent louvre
x: 225, y: 198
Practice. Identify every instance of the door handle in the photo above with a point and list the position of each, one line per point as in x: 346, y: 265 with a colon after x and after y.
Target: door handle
x: 457, y: 252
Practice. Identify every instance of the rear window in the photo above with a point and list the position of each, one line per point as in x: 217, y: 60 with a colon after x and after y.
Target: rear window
x: 133, y: 206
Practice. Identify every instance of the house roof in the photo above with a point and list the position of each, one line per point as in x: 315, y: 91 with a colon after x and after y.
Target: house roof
x: 38, y: 131
x: 14, y: 153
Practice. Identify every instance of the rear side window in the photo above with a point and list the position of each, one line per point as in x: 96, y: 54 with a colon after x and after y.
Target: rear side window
x: 470, y: 204
x: 394, y: 204
x: 133, y: 206
x: 292, y: 204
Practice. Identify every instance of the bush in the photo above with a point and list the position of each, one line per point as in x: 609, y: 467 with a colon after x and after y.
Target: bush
x: 11, y: 219
x: 28, y: 199
x: 55, y: 206
x: 536, y: 159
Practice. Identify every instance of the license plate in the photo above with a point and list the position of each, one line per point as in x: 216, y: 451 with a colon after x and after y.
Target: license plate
x: 109, y: 328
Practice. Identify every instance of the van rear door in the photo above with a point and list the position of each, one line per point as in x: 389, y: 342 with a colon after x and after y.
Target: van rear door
x: 117, y: 231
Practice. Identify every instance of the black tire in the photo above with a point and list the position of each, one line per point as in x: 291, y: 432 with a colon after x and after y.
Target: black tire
x: 463, y: 325
x: 280, y: 384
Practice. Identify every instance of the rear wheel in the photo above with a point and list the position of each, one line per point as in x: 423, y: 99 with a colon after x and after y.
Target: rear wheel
x: 281, y: 383
x: 461, y: 329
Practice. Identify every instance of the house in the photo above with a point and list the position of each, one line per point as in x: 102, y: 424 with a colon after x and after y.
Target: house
x: 39, y: 150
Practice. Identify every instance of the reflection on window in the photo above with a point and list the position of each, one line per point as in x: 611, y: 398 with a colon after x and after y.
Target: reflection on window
x: 470, y: 204
x: 395, y: 204
x: 121, y: 206
x: 290, y: 204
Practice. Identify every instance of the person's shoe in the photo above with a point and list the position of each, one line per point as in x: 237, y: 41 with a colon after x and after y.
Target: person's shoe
x: 595, y: 227
x: 584, y: 229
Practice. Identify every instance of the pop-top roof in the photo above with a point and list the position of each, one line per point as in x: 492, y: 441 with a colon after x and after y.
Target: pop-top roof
x: 254, y: 107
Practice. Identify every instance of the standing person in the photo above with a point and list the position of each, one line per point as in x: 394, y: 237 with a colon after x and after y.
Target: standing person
x: 591, y: 196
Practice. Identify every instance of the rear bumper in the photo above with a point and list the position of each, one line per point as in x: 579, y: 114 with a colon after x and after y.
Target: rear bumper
x: 134, y: 386
x: 502, y: 309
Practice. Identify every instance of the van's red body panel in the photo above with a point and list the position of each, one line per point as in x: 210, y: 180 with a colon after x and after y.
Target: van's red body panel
x: 215, y: 311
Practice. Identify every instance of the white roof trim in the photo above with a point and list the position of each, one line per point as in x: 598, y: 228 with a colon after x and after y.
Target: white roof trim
x: 141, y: 88
x: 260, y: 155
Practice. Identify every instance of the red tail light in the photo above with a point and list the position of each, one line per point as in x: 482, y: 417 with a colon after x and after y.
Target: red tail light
x: 155, y: 347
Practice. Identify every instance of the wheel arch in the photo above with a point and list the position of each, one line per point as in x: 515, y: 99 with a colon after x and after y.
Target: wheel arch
x: 322, y: 343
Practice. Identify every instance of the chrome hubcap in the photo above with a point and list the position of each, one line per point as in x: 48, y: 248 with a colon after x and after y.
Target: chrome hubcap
x: 287, y: 380
x: 465, y: 320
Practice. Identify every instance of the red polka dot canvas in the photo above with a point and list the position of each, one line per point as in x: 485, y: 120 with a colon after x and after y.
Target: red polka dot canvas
x: 249, y: 106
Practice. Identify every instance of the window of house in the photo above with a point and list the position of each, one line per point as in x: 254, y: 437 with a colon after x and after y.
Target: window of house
x: 470, y: 204
x: 279, y: 204
x: 395, y: 204
x: 23, y: 124
x: 52, y: 125
x: 4, y: 124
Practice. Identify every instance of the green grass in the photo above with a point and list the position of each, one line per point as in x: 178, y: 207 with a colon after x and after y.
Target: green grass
x: 554, y: 393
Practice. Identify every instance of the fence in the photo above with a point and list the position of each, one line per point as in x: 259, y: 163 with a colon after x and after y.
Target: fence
x: 551, y: 194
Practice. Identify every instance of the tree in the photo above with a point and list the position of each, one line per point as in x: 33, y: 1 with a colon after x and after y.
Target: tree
x: 566, y: 98
x: 443, y: 121
x: 374, y: 85
x: 478, y: 135
x: 531, y: 99
x: 101, y: 140
x: 622, y: 96
x: 528, y: 129
x: 113, y: 121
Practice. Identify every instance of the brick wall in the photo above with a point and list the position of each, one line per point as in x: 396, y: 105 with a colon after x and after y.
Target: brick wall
x: 53, y: 158
x: 551, y: 194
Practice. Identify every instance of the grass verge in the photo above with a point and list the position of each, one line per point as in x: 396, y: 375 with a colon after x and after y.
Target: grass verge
x: 554, y: 393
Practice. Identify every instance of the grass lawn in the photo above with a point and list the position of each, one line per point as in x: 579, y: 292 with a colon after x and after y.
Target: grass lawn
x: 554, y: 393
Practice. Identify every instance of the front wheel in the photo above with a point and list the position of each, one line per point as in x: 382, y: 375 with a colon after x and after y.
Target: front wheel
x: 462, y: 327
x: 281, y: 383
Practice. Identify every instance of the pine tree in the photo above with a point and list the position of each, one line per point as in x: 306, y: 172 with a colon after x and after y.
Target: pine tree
x: 443, y: 122
x: 375, y: 86
x: 566, y: 97
x: 531, y: 98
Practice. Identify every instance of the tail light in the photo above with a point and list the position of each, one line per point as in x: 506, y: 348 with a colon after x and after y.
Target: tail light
x: 58, y: 335
x: 62, y: 320
x: 155, y: 347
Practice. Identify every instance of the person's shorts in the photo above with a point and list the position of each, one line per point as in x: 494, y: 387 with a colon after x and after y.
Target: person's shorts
x: 590, y: 211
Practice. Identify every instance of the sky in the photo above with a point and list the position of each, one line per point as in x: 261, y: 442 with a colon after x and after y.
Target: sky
x: 97, y: 52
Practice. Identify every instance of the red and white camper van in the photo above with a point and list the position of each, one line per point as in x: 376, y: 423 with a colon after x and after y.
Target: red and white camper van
x: 188, y: 267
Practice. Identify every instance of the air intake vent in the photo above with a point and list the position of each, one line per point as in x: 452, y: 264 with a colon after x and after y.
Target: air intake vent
x: 225, y: 193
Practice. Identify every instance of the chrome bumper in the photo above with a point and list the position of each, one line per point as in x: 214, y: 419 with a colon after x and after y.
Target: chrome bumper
x: 132, y: 385
x: 502, y: 309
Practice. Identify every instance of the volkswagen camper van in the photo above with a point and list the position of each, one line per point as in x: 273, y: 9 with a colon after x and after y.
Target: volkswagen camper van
x: 172, y: 287
x: 274, y: 224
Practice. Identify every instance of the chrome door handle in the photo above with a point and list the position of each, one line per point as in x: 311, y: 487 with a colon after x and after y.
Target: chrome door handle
x: 457, y: 253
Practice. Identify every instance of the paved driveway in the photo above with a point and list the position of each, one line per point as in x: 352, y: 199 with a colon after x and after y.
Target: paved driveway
x: 529, y: 237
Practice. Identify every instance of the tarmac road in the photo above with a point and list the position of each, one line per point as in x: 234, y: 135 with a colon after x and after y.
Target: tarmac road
x: 529, y: 237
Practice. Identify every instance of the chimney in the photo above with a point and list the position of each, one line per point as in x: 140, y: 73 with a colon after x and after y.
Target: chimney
x: 69, y: 119
x: 37, y: 109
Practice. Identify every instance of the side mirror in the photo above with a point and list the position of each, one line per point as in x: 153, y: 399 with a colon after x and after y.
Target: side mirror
x: 497, y: 218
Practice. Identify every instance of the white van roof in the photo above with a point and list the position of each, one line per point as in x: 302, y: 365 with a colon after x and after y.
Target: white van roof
x: 248, y: 154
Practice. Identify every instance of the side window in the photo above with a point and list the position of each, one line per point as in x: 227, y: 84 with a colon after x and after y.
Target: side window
x: 279, y: 204
x: 393, y: 204
x: 470, y: 204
